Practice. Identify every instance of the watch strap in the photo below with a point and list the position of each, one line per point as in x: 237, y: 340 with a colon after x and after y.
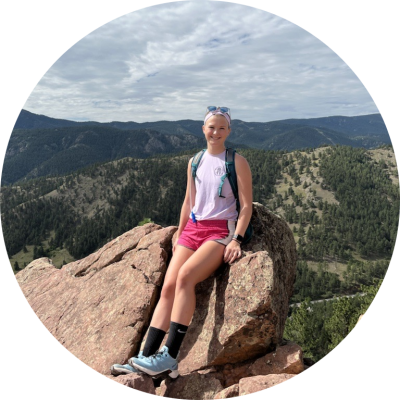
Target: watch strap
x: 238, y: 238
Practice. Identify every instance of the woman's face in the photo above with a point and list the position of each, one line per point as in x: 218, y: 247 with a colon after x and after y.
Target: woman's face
x: 216, y: 130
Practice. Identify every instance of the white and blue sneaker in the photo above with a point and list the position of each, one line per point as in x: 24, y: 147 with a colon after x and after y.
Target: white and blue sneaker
x: 124, y: 369
x: 157, y: 364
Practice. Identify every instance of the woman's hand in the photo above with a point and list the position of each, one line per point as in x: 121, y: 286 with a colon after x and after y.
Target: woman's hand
x: 232, y: 251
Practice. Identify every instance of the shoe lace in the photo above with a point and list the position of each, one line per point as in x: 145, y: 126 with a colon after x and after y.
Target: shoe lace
x: 157, y: 354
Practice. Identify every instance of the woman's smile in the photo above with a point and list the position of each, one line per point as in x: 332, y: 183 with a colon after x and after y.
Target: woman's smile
x: 216, y: 130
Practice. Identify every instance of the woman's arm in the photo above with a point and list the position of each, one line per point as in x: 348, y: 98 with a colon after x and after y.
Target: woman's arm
x: 186, y: 206
x: 245, y: 188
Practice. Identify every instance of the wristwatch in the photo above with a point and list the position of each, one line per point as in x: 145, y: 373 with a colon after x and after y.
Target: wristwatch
x: 238, y: 238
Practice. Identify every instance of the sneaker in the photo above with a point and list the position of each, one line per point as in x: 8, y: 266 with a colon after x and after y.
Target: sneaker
x: 124, y: 369
x: 157, y: 364
x: 119, y: 369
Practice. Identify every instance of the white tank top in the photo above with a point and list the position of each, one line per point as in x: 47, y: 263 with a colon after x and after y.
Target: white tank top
x: 208, y: 205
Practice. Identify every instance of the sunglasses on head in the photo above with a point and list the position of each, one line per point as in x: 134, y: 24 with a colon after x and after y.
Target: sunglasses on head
x: 224, y: 110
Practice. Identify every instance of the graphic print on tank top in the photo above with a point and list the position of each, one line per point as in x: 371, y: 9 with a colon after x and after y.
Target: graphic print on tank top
x: 208, y: 205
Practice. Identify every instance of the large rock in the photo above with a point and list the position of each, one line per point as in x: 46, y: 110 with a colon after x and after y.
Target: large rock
x: 279, y: 365
x: 193, y: 386
x: 241, y: 310
x: 231, y: 391
x: 140, y: 382
x: 287, y: 359
x: 269, y: 386
x: 100, y: 307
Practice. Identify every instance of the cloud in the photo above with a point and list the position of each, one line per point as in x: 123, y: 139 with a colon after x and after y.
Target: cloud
x: 170, y: 61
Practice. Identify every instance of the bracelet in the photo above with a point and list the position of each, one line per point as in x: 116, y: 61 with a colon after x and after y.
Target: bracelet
x: 237, y: 241
x: 238, y: 238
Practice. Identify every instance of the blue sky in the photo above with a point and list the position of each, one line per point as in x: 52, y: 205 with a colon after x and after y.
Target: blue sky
x: 170, y: 61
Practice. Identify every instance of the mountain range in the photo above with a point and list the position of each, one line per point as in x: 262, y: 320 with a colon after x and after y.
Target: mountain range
x: 40, y: 145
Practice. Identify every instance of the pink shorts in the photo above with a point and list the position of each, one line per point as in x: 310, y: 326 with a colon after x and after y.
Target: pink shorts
x: 197, y: 233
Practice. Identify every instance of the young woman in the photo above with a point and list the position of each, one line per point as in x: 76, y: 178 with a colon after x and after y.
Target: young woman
x: 207, y: 235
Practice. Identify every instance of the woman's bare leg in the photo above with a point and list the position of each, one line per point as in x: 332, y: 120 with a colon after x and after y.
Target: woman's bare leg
x: 197, y: 268
x: 162, y: 313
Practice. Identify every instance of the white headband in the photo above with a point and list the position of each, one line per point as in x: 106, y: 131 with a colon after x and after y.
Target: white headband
x: 211, y: 113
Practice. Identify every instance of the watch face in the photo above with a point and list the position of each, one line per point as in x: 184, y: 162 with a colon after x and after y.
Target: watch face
x: 238, y: 237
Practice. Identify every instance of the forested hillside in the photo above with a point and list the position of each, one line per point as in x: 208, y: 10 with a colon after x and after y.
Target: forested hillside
x: 33, y: 153
x: 342, y: 204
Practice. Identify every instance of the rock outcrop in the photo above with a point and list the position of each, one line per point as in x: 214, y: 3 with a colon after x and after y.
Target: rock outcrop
x: 99, y: 308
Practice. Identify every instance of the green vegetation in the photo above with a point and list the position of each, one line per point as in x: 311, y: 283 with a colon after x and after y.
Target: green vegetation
x: 43, y: 146
x: 322, y: 284
x: 145, y: 221
x: 342, y: 204
x: 366, y: 217
x: 33, y: 153
x: 319, y: 327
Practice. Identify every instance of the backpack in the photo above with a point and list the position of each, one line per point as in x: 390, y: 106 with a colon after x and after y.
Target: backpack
x: 232, y: 177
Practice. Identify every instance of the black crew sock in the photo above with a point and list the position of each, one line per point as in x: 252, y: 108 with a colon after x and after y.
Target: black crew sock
x: 175, y: 338
x: 153, y: 341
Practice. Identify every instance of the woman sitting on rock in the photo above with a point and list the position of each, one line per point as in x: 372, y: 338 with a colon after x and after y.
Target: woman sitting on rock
x: 209, y: 233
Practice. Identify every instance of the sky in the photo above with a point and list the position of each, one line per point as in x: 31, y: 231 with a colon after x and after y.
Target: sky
x: 171, y: 61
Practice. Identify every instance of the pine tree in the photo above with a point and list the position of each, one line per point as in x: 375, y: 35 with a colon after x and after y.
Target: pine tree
x: 341, y: 322
x: 298, y: 328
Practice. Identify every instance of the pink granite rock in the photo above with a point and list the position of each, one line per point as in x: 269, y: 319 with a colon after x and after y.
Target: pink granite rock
x: 140, y: 382
x: 111, y: 252
x: 260, y: 387
x: 99, y: 307
x: 241, y: 310
x: 231, y: 391
x: 287, y: 359
x: 192, y: 386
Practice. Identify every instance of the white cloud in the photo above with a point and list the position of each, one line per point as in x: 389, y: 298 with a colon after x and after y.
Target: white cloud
x: 171, y: 61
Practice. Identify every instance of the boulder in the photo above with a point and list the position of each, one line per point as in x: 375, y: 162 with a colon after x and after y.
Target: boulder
x: 287, y: 359
x: 140, y: 382
x: 192, y: 386
x: 241, y: 310
x: 270, y: 385
x: 99, y: 308
x: 231, y: 391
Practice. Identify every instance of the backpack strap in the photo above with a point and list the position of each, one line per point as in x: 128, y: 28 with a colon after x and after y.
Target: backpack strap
x: 231, y: 174
x: 231, y: 170
x: 196, y: 161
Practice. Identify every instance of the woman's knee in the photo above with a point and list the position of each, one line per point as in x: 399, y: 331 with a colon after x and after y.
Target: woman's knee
x: 185, y: 280
x: 168, y: 291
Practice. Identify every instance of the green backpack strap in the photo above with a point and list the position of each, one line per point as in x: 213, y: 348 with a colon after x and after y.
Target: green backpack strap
x: 231, y: 173
x: 196, y: 161
x: 232, y: 177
